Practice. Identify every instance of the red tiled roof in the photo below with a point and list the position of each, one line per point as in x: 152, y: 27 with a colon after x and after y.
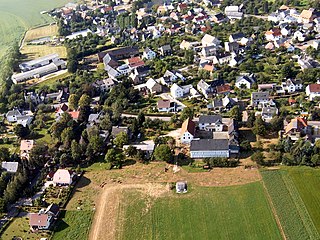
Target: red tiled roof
x: 223, y: 88
x: 135, y: 62
x: 74, y: 114
x: 39, y: 220
x: 314, y: 87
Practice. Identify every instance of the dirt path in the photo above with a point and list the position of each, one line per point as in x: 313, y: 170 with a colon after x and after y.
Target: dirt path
x: 104, y: 224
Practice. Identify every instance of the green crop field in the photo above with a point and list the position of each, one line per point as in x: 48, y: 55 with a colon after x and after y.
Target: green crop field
x: 17, y: 16
x: 291, y: 210
x: 237, y: 212
x: 307, y: 182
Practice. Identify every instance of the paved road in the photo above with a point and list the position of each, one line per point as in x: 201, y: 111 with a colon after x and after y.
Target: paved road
x: 166, y: 119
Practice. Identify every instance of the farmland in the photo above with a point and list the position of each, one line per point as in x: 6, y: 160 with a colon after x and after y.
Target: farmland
x: 17, y: 16
x: 307, y: 182
x: 205, y: 213
x: 293, y: 215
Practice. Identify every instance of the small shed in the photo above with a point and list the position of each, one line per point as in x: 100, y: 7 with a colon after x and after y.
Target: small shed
x: 181, y: 187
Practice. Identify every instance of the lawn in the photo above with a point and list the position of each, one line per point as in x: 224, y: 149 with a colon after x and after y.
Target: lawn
x: 41, y: 32
x: 307, y: 182
x: 17, y: 16
x: 35, y: 51
x: 237, y: 212
x: 19, y: 227
x: 73, y: 225
x: 293, y: 215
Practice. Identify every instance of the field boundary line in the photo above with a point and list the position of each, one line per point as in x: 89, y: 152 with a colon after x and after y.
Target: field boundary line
x: 273, y: 209
x: 302, y: 210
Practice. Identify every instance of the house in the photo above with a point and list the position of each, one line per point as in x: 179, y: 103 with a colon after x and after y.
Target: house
x: 204, y: 148
x: 181, y: 187
x: 12, y: 115
x: 188, y: 130
x: 291, y: 86
x: 153, y: 86
x: 268, y: 112
x: 140, y: 74
x: 233, y: 12
x: 218, y: 18
x: 147, y: 148
x: 245, y: 81
x: 259, y: 98
x: 204, y: 88
x: 165, y: 105
x: 118, y: 129
x: 223, y: 89
x: 74, y: 114
x: 63, y: 177
x: 273, y: 34
x: 297, y: 128
x: 135, y: 62
x: 165, y: 50
x: 11, y: 167
x: 209, y: 40
x: 313, y: 91
x: 119, y: 53
x: 149, y: 54
x: 225, y: 103
x: 25, y: 148
x: 94, y: 118
x: 176, y: 91
x: 104, y: 85
x: 236, y: 37
x: 43, y: 219
x: 212, y: 123
x: 306, y: 16
x: 231, y: 47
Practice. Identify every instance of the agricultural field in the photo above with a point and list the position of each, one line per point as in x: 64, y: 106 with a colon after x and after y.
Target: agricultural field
x: 35, y: 51
x: 17, y: 16
x: 294, y: 217
x: 307, y: 182
x: 41, y: 32
x: 204, y: 213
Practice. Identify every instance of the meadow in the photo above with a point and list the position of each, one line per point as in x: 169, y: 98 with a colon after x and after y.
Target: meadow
x: 291, y: 210
x: 17, y: 16
x: 235, y: 212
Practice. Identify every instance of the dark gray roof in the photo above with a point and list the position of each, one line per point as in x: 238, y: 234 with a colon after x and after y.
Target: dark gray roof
x: 209, y: 144
x: 259, y: 95
x: 209, y: 118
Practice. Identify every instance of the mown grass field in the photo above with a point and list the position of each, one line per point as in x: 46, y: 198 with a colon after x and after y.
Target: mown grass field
x: 237, y: 212
x: 73, y: 225
x: 19, y: 227
x: 17, y: 16
x: 293, y: 214
x: 41, y: 32
x: 307, y: 182
x: 35, y: 51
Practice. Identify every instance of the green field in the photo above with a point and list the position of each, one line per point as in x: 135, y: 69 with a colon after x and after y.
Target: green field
x: 291, y: 210
x: 307, y: 181
x: 73, y: 225
x: 17, y: 16
x: 237, y: 212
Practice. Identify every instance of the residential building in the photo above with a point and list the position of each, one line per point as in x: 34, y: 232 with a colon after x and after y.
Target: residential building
x: 176, y: 91
x: 63, y: 177
x: 204, y: 88
x: 165, y: 105
x: 25, y: 148
x: 209, y: 40
x: 43, y: 219
x: 245, y: 81
x: 11, y: 167
x: 233, y: 12
x: 212, y: 123
x: 313, y: 91
x: 259, y: 98
x: 204, y: 148
x: 104, y: 85
x: 149, y: 54
x: 188, y: 130
x: 297, y: 128
x: 165, y: 50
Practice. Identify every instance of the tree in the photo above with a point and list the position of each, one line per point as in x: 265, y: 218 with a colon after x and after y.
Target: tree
x: 131, y: 151
x: 4, y: 154
x: 21, y: 131
x: 106, y: 123
x: 73, y: 101
x: 315, y: 159
x: 186, y: 113
x: 114, y: 158
x: 259, y: 127
x: 163, y: 153
x: 258, y: 157
x: 76, y: 150
x: 189, y: 56
x: 84, y: 101
x: 276, y: 124
x: 66, y: 136
x: 121, y: 139
x: 245, y: 146
x: 95, y: 143
x: 235, y: 113
x: 37, y: 155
